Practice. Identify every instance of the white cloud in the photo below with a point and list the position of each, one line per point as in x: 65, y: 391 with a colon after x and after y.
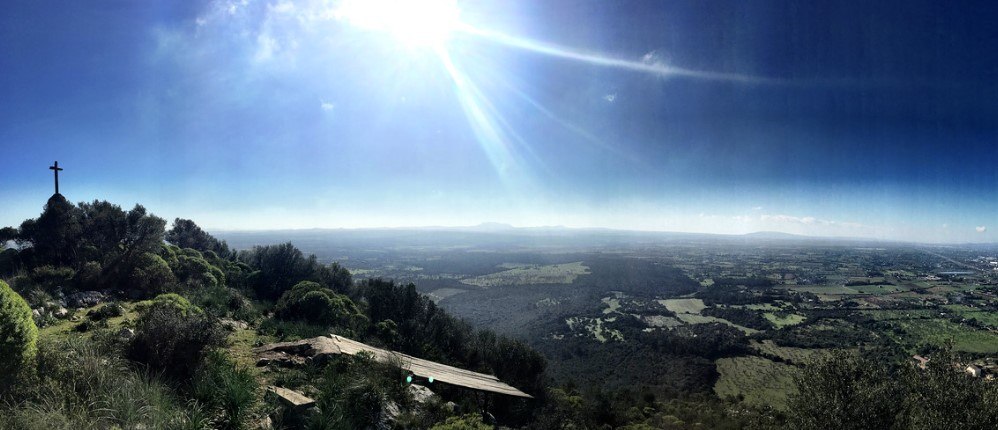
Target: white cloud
x: 981, y: 229
x: 652, y: 58
x: 757, y: 208
x: 610, y: 98
x: 945, y: 225
x: 326, y: 106
x: 265, y: 48
x: 283, y: 7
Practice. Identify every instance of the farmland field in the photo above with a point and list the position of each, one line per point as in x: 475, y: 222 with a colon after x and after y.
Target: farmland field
x: 530, y: 275
x: 783, y: 321
x: 684, y: 306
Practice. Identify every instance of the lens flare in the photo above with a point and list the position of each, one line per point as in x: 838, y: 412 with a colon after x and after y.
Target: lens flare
x: 426, y: 23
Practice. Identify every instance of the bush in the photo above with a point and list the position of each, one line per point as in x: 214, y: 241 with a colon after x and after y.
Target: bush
x: 315, y: 304
x: 109, y: 310
x: 151, y: 275
x: 226, y: 388
x: 172, y: 336
x: 18, y: 333
x: 464, y: 422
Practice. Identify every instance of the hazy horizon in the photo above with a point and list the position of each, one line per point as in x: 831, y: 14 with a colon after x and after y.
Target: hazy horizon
x: 847, y: 120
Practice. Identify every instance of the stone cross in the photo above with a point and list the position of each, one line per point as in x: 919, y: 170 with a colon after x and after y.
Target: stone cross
x: 56, y: 169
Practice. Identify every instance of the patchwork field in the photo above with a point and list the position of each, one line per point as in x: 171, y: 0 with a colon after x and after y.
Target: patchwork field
x: 530, y: 275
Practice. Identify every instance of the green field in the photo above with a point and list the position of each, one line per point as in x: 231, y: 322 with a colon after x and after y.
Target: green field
x: 789, y: 320
x: 531, y: 275
x: 760, y: 381
x: 684, y: 306
x: 939, y: 331
x: 796, y: 355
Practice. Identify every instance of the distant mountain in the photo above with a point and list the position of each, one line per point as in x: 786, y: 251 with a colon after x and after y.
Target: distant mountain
x: 778, y: 235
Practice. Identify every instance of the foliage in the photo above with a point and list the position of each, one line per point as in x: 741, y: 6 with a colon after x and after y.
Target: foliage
x: 740, y: 316
x: 848, y: 391
x: 81, y: 385
x: 108, y: 310
x: 49, y: 277
x: 942, y: 397
x: 18, y: 334
x: 291, y: 330
x: 151, y: 274
x: 55, y: 235
x: 315, y: 304
x: 222, y: 386
x: 278, y: 267
x: 355, y: 392
x: 463, y: 422
x: 186, y: 234
x: 197, y: 272
x: 223, y: 301
x: 171, y: 336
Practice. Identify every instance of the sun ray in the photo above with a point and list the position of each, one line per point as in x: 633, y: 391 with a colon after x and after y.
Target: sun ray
x: 600, y: 60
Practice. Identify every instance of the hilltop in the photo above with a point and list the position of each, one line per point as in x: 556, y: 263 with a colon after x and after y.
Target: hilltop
x: 164, y: 328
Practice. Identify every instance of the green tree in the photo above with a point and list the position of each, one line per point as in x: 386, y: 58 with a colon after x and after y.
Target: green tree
x: 55, y: 235
x: 151, y: 274
x: 944, y: 397
x: 844, y: 391
x: 18, y: 333
x: 313, y: 303
x: 278, y: 267
x: 186, y: 234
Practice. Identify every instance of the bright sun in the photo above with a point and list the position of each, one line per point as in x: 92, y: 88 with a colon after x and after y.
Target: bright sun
x: 424, y: 23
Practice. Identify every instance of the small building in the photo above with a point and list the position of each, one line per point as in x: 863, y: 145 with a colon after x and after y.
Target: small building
x: 974, y: 370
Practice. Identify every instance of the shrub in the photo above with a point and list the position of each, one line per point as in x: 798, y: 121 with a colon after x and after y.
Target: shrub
x: 464, y: 422
x: 109, y: 310
x: 315, y: 304
x: 172, y: 336
x: 222, y: 386
x: 151, y: 274
x: 18, y: 333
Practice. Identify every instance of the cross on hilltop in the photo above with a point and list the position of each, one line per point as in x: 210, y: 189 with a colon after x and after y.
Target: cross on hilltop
x: 55, y: 167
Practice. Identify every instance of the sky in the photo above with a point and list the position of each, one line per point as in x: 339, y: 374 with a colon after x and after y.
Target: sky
x: 847, y: 118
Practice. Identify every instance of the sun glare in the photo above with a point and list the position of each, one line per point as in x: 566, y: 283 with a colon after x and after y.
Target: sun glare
x: 425, y: 23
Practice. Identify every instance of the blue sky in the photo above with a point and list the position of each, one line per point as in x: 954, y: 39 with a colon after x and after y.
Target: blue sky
x: 846, y: 119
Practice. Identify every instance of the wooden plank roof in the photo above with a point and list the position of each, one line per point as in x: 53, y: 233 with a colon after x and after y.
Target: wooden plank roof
x: 334, y: 344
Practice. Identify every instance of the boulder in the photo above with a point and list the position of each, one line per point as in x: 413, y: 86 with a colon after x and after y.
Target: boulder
x: 84, y: 299
x: 126, y: 333
x: 61, y: 313
x: 233, y: 324
x: 37, y: 313
x: 420, y: 394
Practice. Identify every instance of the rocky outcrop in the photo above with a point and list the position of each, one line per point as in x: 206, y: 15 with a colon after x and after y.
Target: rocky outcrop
x: 287, y: 354
x: 84, y: 299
